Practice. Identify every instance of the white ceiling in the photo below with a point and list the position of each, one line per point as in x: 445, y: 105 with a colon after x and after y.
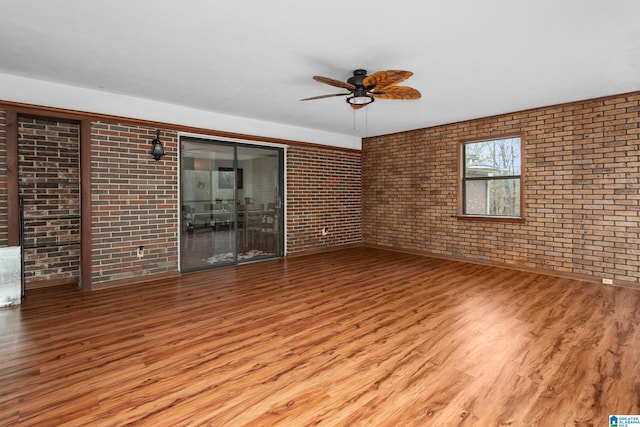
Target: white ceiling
x: 255, y: 59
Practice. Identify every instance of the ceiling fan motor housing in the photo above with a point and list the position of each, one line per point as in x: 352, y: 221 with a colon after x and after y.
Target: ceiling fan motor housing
x: 358, y: 77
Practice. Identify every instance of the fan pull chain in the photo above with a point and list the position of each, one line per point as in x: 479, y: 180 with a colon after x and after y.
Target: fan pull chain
x: 354, y: 120
x: 366, y: 122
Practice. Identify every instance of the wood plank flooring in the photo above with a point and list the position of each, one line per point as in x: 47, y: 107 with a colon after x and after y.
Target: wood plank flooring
x: 353, y: 337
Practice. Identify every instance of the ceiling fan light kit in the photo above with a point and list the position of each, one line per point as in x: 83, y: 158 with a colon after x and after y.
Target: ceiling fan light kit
x: 360, y: 100
x: 364, y: 89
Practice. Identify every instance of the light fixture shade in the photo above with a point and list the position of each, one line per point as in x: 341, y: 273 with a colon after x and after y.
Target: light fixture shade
x: 360, y: 100
x: 157, y: 151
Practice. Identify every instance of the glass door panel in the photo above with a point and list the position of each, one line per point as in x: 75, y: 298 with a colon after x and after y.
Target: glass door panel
x: 259, y: 217
x: 231, y: 203
x: 207, y: 204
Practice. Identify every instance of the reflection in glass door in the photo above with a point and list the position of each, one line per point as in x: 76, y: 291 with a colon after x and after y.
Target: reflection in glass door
x: 231, y: 203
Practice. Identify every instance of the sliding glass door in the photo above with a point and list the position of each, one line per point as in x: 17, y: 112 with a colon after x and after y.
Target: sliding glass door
x: 231, y: 203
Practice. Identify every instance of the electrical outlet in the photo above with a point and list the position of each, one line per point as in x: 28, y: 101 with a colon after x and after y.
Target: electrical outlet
x: 140, y: 251
x: 607, y: 281
x: 325, y: 231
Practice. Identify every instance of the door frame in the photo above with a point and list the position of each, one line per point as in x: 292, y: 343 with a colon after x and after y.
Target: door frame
x: 236, y: 142
x: 13, y: 189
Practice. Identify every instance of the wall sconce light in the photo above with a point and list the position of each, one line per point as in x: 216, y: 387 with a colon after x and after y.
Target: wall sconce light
x: 157, y: 150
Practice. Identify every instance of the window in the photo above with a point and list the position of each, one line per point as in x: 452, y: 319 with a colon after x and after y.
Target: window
x: 491, y: 185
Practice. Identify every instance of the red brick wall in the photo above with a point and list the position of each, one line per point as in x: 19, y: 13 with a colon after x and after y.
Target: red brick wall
x: 49, y: 171
x: 582, y: 190
x: 323, y: 190
x: 134, y: 202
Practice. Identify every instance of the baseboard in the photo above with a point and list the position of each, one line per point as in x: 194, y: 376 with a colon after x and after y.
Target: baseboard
x: 133, y: 281
x: 546, y: 272
x: 316, y: 251
x: 44, y: 283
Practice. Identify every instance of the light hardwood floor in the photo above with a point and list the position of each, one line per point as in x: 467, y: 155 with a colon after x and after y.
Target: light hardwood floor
x: 352, y: 337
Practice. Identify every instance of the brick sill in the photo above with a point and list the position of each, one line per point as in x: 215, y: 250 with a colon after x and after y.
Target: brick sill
x: 509, y: 219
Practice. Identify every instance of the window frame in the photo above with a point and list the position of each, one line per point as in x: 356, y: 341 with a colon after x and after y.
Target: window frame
x: 462, y: 181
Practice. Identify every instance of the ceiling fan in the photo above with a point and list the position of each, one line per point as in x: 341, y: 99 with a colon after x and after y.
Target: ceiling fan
x: 364, y: 89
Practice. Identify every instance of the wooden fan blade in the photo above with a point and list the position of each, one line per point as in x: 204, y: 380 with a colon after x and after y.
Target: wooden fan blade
x: 326, y: 96
x: 333, y: 82
x: 383, y: 79
x: 397, y: 92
